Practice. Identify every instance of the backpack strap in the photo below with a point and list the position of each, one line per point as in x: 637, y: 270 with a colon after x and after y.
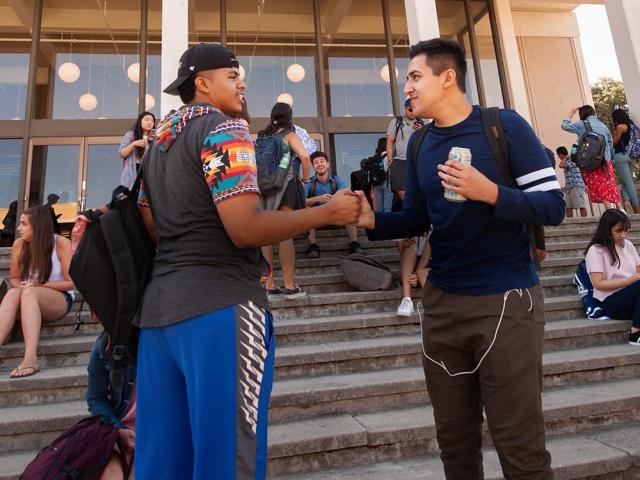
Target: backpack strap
x: 399, y: 122
x: 587, y: 125
x: 312, y: 189
x: 334, y: 184
x: 418, y: 138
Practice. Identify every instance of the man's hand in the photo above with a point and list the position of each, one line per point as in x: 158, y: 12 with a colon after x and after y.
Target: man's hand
x: 323, y: 198
x: 128, y: 438
x: 367, y: 218
x: 468, y: 181
x: 343, y: 208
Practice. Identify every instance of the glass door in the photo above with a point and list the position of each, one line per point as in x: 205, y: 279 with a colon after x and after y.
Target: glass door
x: 102, y: 166
x: 54, y: 174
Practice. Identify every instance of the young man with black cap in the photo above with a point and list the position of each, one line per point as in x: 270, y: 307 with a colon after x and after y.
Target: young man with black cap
x: 483, y: 322
x: 205, y: 360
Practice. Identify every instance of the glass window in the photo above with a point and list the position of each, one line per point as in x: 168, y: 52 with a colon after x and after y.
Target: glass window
x: 88, y: 64
x: 353, y: 38
x: 10, y: 158
x: 276, y: 47
x: 350, y: 149
x: 154, y: 44
x: 102, y: 175
x: 54, y: 179
x: 15, y: 47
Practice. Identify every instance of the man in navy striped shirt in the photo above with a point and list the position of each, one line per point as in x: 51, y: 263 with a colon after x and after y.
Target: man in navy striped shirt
x: 483, y: 325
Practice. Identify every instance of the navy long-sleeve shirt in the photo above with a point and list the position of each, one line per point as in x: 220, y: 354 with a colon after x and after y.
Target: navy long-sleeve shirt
x: 476, y: 248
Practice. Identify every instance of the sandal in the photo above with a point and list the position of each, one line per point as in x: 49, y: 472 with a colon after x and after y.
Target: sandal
x: 23, y: 372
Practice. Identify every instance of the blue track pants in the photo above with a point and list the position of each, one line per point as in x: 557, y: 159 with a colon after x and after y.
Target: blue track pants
x: 202, y: 396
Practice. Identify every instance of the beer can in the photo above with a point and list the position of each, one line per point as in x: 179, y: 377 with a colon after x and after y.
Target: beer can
x: 457, y: 154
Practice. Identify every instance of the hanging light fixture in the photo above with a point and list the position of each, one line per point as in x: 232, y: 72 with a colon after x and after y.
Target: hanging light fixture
x: 88, y: 102
x: 242, y: 72
x: 133, y: 72
x: 384, y: 73
x: 285, y: 98
x: 149, y: 102
x: 69, y: 72
x: 295, y: 72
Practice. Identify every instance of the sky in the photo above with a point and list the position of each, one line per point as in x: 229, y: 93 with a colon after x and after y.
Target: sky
x: 597, y: 44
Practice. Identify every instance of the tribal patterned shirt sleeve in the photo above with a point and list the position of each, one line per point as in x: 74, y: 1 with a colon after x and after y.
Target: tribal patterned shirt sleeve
x: 229, y: 162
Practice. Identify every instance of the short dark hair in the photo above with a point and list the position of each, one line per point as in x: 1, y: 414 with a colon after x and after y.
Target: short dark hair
x: 187, y: 90
x: 561, y: 150
x: 317, y: 154
x: 586, y: 111
x: 443, y: 54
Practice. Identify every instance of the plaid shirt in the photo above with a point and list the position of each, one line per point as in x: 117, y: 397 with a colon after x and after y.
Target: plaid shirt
x: 572, y: 176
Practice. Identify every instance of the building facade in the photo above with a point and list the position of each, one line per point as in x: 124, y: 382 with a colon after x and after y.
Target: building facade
x: 75, y: 73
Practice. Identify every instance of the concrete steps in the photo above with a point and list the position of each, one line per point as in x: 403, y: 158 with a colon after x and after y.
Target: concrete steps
x: 349, y: 400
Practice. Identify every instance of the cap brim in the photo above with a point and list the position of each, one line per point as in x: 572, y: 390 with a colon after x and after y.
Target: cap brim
x: 172, y: 89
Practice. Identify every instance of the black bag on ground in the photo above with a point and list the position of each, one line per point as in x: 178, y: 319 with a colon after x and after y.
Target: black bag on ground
x: 366, y: 274
x: 82, y: 452
x: 112, y: 266
x: 591, y: 148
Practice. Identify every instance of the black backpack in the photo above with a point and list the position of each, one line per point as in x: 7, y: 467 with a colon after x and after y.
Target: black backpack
x: 111, y: 268
x: 500, y: 148
x: 373, y: 172
x: 591, y: 148
x: 314, y: 183
x: 269, y: 153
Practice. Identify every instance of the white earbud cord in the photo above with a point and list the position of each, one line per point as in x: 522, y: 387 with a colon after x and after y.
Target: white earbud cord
x: 495, y: 335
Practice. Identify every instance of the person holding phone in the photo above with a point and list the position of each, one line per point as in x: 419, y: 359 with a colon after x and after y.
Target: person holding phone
x: 134, y: 145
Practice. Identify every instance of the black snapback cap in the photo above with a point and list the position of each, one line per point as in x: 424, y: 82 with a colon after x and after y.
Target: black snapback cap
x: 204, y: 56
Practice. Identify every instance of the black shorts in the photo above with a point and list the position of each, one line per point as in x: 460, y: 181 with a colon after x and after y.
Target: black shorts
x: 396, y: 175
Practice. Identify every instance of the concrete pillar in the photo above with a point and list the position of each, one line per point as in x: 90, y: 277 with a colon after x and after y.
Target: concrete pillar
x: 422, y: 20
x: 623, y: 20
x: 175, y: 35
x: 511, y: 54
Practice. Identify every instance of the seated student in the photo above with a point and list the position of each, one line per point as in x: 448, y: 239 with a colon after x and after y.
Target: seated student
x: 318, y: 191
x: 574, y: 186
x: 414, y: 255
x: 614, y: 268
x: 41, y: 289
x: 116, y: 405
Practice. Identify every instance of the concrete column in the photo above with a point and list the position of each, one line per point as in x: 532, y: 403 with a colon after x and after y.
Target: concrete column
x: 511, y: 54
x: 422, y: 20
x: 175, y: 35
x: 623, y: 20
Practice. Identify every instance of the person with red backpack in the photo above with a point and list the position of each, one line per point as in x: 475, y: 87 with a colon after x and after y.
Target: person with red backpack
x: 207, y: 344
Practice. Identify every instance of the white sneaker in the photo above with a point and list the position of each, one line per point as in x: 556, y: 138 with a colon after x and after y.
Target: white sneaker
x: 406, y: 307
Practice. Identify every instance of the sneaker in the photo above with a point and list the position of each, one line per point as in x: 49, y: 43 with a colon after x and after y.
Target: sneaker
x: 597, y: 314
x: 274, y: 292
x: 296, y: 292
x: 406, y: 307
x: 355, y: 247
x: 314, y: 251
x: 634, y: 339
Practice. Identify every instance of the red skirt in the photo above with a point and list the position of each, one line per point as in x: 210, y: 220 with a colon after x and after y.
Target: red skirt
x: 602, y: 185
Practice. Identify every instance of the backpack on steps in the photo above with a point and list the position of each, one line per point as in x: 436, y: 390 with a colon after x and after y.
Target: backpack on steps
x: 80, y: 453
x: 366, y: 274
x: 582, y: 281
x: 591, y: 148
x: 271, y: 164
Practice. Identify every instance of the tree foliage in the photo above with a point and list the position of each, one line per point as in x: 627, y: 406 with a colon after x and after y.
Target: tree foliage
x: 608, y: 94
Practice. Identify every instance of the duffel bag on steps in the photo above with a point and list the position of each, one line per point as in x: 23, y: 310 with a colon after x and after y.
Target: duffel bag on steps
x: 366, y: 274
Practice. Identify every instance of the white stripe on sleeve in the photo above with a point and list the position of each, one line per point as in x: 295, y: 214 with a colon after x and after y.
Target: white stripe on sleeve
x: 544, y: 187
x: 537, y: 175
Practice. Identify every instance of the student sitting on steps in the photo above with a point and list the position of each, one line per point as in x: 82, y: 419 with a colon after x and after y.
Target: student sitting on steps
x: 614, y: 267
x: 41, y: 289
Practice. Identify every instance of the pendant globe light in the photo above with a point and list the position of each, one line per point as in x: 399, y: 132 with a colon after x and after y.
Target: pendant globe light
x: 88, y: 101
x: 285, y: 98
x: 295, y: 72
x: 384, y: 73
x: 133, y: 72
x: 242, y: 72
x: 69, y: 72
x: 149, y: 102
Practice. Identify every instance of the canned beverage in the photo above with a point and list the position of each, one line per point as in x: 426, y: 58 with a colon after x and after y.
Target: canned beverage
x: 463, y: 155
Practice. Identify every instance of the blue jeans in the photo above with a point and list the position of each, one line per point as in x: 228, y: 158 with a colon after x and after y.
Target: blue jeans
x: 384, y: 197
x: 624, y: 167
x: 624, y: 304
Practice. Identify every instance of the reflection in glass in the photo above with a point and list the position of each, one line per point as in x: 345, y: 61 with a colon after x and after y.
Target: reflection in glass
x: 14, y: 73
x: 88, y: 65
x: 351, y: 149
x: 276, y: 49
x: 103, y: 174
x: 10, y: 157
x: 54, y: 170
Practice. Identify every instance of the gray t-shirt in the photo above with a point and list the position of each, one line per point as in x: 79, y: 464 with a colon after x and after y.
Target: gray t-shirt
x: 200, y: 158
x: 402, y: 139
